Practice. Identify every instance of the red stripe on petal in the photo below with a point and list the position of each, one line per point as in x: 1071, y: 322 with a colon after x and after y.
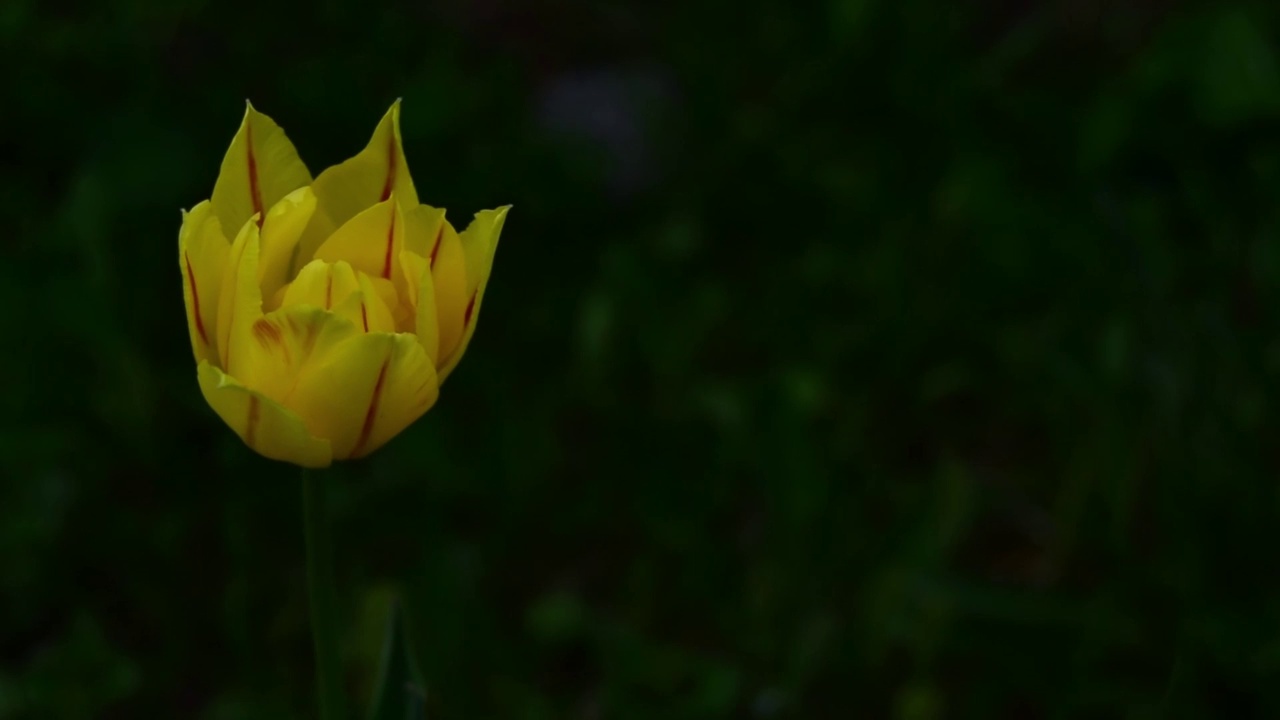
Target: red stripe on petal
x: 391, y: 237
x: 269, y: 338
x: 391, y: 170
x: 471, y: 306
x: 435, y: 248
x: 266, y: 333
x: 195, y: 299
x: 372, y: 412
x: 255, y: 192
x: 364, y: 316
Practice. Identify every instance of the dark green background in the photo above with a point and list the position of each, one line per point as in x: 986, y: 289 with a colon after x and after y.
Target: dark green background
x: 842, y: 359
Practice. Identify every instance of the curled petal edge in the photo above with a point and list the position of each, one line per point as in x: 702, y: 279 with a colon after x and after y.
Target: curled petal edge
x: 267, y: 427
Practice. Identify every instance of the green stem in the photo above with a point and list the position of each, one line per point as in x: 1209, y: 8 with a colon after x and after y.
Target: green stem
x: 320, y: 593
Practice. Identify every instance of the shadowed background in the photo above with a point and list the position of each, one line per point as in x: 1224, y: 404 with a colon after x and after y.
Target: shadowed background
x: 843, y: 359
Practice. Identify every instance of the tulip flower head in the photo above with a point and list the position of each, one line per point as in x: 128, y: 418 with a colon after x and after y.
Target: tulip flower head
x: 324, y: 315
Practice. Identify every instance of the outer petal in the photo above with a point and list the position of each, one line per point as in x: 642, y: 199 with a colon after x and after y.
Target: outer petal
x: 370, y: 177
x: 202, y: 255
x: 449, y: 270
x: 368, y: 390
x: 263, y: 424
x: 424, y: 228
x: 423, y: 231
x: 259, y: 169
x: 281, y: 231
x: 479, y: 242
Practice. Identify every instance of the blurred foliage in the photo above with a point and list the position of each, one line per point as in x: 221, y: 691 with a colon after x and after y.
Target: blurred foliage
x: 902, y: 360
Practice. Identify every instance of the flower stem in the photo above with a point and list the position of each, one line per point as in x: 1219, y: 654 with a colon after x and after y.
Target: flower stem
x: 320, y: 593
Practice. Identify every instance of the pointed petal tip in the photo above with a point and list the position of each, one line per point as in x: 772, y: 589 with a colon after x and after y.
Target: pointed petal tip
x: 498, y: 214
x: 187, y: 212
x: 394, y: 114
x: 224, y: 380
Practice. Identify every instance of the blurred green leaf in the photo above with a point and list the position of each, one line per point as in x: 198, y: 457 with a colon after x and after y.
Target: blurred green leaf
x: 1238, y: 77
x: 556, y: 617
x: 399, y: 693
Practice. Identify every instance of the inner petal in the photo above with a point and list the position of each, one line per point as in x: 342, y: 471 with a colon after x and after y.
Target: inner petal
x: 345, y: 291
x: 281, y: 230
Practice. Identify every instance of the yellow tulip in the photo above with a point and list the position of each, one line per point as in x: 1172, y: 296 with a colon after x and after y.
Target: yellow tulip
x: 325, y: 314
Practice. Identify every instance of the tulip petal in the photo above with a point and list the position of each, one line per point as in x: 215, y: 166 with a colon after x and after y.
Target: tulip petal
x: 259, y: 169
x: 422, y: 300
x: 347, y: 292
x: 321, y: 284
x: 281, y: 231
x: 202, y: 255
x: 423, y: 233
x: 347, y: 189
x: 284, y: 344
x: 479, y: 243
x: 449, y: 270
x: 269, y: 428
x: 374, y: 313
x: 240, y: 304
x: 366, y: 391
x: 370, y: 241
x: 424, y: 226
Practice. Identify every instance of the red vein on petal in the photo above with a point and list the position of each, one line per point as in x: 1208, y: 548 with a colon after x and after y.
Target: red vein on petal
x: 372, y: 412
x: 269, y: 337
x: 466, y: 316
x: 251, y: 430
x: 266, y: 333
x: 195, y: 299
x: 255, y: 192
x: 391, y: 236
x: 328, y: 291
x: 364, y: 316
x: 391, y: 169
x: 435, y: 248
